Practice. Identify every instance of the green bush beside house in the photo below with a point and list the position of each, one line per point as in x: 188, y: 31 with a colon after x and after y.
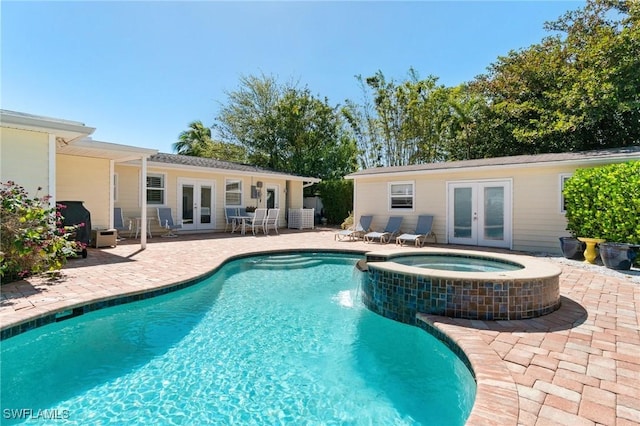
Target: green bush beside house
x: 604, y: 202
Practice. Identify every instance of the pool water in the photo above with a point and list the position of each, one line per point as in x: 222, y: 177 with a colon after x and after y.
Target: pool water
x: 265, y: 340
x: 457, y: 263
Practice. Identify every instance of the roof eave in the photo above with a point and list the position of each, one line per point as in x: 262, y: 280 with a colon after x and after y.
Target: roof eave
x: 574, y: 161
x: 67, y: 130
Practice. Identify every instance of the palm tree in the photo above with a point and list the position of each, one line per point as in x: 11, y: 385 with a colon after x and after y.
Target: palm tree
x: 196, y: 141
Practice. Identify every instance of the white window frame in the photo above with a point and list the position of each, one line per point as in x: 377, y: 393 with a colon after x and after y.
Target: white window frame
x: 239, y: 191
x: 163, y: 189
x: 391, y: 196
x: 562, y: 179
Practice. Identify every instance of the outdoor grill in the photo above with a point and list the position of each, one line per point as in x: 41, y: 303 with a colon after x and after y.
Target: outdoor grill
x: 74, y: 214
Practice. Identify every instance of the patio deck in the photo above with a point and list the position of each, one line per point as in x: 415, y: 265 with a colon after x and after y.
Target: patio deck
x: 577, y: 366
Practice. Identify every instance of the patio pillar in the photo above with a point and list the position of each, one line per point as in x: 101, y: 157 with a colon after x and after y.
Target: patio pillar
x: 143, y: 212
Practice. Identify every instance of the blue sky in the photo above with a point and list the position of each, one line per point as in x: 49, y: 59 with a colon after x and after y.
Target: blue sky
x: 140, y: 72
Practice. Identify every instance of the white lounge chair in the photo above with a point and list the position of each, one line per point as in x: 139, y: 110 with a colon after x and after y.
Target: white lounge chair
x: 391, y: 230
x: 422, y: 232
x: 166, y: 221
x: 271, y: 221
x: 355, y: 232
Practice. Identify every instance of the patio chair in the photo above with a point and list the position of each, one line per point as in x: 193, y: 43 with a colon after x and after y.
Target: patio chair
x: 166, y: 221
x: 422, y: 232
x: 271, y: 221
x: 119, y: 224
x: 391, y: 230
x: 229, y: 212
x: 258, y: 220
x: 355, y: 232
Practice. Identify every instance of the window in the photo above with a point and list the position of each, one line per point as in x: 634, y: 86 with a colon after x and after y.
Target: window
x: 563, y: 180
x: 401, y: 195
x: 155, y: 189
x: 233, y: 192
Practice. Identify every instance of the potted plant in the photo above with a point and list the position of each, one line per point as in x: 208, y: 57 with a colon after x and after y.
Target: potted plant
x: 251, y: 211
x: 603, y: 206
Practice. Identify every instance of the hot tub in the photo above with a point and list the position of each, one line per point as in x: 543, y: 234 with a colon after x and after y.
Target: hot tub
x: 459, y: 284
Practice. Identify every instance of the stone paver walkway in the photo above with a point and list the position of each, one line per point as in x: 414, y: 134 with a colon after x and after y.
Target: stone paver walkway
x: 577, y: 366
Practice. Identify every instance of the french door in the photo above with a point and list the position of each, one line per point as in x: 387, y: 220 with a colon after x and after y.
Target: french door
x: 195, y: 203
x: 479, y: 213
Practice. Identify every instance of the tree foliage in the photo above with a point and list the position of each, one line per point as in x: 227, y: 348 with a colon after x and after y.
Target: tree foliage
x: 33, y: 238
x: 196, y: 141
x: 287, y: 129
x: 576, y: 90
x: 337, y: 199
x: 398, y: 123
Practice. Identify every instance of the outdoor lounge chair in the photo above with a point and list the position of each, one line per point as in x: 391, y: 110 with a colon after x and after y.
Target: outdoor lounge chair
x: 391, y: 230
x: 353, y: 233
x: 258, y: 220
x: 118, y: 223
x: 271, y: 221
x: 422, y: 232
x: 166, y: 221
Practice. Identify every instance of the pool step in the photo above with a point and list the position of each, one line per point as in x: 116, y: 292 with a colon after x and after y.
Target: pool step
x: 286, y: 262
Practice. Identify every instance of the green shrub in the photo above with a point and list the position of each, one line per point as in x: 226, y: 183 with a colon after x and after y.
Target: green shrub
x: 32, y: 238
x: 604, y: 202
x: 337, y: 199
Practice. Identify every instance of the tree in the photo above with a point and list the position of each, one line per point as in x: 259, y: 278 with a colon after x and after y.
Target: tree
x: 403, y: 122
x: 196, y: 141
x: 287, y: 129
x: 248, y: 119
x: 577, y: 92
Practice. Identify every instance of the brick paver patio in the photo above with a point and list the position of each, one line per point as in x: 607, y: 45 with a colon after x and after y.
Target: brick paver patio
x: 577, y: 366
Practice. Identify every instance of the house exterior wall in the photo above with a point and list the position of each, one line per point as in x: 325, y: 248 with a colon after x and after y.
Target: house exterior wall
x: 537, y: 219
x: 129, y: 199
x: 24, y: 159
x: 85, y: 179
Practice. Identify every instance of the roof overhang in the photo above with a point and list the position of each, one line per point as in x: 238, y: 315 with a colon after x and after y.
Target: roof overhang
x: 593, y: 158
x: 231, y: 172
x: 65, y: 131
x: 88, y: 147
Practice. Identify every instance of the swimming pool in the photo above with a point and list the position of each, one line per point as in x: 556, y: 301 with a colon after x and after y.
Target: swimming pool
x: 250, y: 344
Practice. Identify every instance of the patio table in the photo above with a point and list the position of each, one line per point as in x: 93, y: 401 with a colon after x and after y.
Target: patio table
x: 239, y: 222
x: 139, y: 227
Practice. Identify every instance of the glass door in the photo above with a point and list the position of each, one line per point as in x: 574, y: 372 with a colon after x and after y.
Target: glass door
x: 480, y: 213
x: 272, y: 201
x: 196, y: 204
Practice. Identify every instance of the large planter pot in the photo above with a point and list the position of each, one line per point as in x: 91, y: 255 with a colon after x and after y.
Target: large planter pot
x: 572, y: 248
x: 618, y: 256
